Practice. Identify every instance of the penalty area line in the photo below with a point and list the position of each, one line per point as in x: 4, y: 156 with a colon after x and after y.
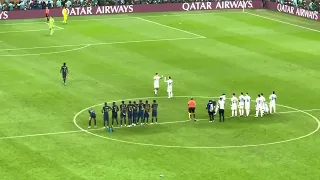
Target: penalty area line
x: 283, y: 22
x: 170, y: 27
x: 103, y: 43
x: 161, y: 123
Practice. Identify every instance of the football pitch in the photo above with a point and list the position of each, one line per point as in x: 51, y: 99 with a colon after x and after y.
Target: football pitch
x: 44, y: 135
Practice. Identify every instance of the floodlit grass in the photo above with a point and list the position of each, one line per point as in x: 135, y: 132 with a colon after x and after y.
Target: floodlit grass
x: 112, y: 58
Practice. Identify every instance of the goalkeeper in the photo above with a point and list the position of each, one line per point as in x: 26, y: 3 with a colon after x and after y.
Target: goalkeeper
x: 65, y: 15
x: 51, y: 25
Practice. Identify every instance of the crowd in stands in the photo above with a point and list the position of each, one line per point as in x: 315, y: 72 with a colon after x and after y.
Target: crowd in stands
x: 10, y: 5
x: 312, y: 5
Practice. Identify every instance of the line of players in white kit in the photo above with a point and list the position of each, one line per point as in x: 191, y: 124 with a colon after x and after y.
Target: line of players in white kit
x: 243, y: 104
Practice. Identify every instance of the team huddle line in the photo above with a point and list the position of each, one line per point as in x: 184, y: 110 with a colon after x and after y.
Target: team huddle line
x: 131, y: 114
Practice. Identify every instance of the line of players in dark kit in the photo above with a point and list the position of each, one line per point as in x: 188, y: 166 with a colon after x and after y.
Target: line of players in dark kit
x: 135, y: 113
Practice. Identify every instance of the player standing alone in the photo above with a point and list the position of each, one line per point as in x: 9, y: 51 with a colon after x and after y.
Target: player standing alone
x: 156, y: 83
x: 169, y: 86
x: 273, y: 98
x: 51, y: 25
x: 64, y: 71
x: 65, y: 15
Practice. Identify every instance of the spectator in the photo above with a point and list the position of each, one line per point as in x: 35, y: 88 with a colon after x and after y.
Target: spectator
x: 68, y: 3
x: 21, y: 5
x: 58, y: 3
x: 50, y: 4
x: 10, y: 6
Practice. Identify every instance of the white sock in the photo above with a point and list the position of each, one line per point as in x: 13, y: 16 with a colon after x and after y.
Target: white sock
x: 257, y: 112
x: 232, y: 113
x: 168, y: 94
x: 235, y: 113
x: 247, y: 111
x: 261, y: 112
x: 171, y: 94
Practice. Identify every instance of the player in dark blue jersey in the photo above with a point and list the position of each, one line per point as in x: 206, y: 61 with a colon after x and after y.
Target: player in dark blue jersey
x: 123, y: 114
x: 130, y: 113
x: 146, y: 115
x: 135, y: 113
x: 64, y: 71
x: 115, y: 110
x: 105, y: 111
x: 140, y: 111
x: 92, y: 116
x: 154, y: 108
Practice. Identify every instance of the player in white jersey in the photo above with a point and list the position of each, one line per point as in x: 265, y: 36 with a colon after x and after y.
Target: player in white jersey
x: 247, y: 99
x: 265, y: 108
x: 169, y: 86
x: 156, y: 83
x: 234, y: 105
x: 259, y: 106
x: 241, y: 104
x: 273, y: 98
x: 223, y: 96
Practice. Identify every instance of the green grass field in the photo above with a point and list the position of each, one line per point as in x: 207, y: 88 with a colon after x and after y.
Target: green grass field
x: 43, y: 130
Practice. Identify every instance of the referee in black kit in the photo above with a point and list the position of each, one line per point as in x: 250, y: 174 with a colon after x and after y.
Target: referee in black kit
x: 221, y: 104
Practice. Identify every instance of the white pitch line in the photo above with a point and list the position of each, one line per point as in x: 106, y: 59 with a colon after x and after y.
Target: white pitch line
x: 128, y: 17
x: 45, y: 53
x: 169, y: 122
x: 103, y: 43
x: 21, y: 31
x: 170, y: 27
x: 283, y: 22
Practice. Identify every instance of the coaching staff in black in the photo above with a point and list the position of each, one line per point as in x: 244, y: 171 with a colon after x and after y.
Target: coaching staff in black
x: 221, y: 104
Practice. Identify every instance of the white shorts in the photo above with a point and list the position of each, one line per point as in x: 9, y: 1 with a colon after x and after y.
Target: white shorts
x: 272, y: 105
x: 156, y: 86
x: 247, y: 106
x: 241, y: 106
x: 258, y: 108
x: 233, y: 107
x: 169, y: 89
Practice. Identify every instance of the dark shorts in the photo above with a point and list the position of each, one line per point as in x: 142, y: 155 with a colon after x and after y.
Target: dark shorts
x: 106, y: 117
x: 130, y: 115
x: 93, y: 116
x: 114, y: 115
x: 123, y: 115
x: 135, y: 114
x: 140, y: 114
x: 192, y: 110
x: 146, y: 115
x: 64, y: 75
x: 154, y: 113
x: 47, y: 15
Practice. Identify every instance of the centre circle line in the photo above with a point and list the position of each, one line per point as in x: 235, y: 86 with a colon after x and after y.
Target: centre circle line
x: 195, y: 147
